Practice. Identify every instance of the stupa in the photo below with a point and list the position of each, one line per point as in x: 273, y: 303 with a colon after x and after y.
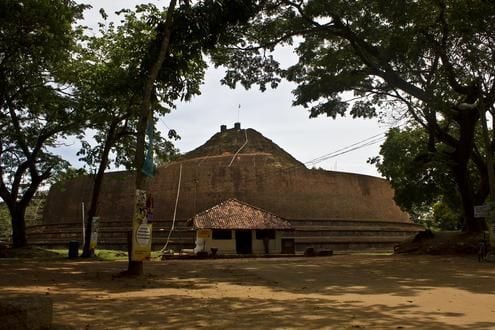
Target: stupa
x: 328, y: 209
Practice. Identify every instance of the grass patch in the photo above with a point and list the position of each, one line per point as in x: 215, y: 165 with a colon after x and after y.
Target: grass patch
x: 117, y: 255
x: 111, y: 255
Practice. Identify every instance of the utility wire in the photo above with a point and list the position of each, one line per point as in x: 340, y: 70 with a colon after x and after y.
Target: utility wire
x: 267, y: 172
x: 339, y: 153
x: 352, y: 147
x: 163, y: 122
x: 361, y: 144
x: 358, y: 145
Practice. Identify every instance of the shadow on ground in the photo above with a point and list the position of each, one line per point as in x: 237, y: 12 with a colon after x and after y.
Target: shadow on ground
x: 260, y: 293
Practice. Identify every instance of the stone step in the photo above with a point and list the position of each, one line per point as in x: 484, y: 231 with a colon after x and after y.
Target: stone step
x: 354, y: 246
x: 101, y: 229
x: 106, y: 224
x: 299, y: 224
x: 349, y: 239
x: 60, y: 227
x: 332, y: 234
x: 156, y: 233
x: 175, y: 240
x: 393, y: 227
x: 45, y: 236
x: 175, y: 229
x: 112, y: 241
x: 354, y: 233
x: 309, y: 236
x: 75, y: 231
x: 164, y: 223
x: 164, y: 238
x: 341, y: 222
x: 104, y: 232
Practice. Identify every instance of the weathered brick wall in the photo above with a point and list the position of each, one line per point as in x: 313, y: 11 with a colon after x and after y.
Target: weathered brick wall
x: 116, y: 203
x: 256, y: 178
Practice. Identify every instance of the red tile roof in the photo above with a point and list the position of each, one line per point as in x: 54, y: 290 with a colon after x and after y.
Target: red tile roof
x: 233, y: 214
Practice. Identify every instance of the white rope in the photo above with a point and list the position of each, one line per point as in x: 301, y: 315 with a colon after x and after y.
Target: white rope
x: 175, y: 209
x: 237, y: 152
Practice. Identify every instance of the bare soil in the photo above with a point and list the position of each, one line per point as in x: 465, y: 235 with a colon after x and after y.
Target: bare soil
x: 441, y: 243
x: 342, y: 292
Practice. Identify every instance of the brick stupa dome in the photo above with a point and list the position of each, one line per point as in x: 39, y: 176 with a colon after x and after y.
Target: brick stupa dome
x: 328, y: 209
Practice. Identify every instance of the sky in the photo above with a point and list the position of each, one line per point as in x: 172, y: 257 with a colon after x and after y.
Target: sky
x: 270, y: 113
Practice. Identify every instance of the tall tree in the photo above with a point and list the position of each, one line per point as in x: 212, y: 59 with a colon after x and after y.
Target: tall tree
x: 108, y: 85
x: 36, y: 110
x: 181, y: 40
x: 136, y: 71
x: 421, y: 180
x: 431, y: 58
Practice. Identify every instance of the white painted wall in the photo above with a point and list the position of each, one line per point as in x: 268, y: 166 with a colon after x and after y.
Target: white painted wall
x: 229, y: 247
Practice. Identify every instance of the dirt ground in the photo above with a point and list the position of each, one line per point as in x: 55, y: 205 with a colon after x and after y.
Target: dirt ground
x: 344, y: 291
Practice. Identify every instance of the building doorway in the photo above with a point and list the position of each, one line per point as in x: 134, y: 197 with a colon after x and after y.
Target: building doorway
x: 243, y: 242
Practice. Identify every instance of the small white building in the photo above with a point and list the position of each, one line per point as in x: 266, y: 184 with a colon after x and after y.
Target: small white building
x: 235, y: 227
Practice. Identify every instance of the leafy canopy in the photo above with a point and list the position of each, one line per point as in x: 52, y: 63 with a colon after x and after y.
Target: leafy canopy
x: 430, y: 61
x: 422, y: 183
x: 36, y: 108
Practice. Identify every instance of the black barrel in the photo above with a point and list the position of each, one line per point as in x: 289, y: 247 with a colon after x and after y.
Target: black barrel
x: 73, y: 249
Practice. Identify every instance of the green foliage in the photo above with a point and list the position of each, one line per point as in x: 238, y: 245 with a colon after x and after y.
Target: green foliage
x: 110, y: 255
x: 379, y: 50
x: 114, y: 64
x: 413, y: 171
x: 133, y: 73
x: 423, y: 184
x: 37, y: 41
x: 109, y: 85
x: 446, y: 218
x: 429, y: 61
x: 34, y: 211
x: 33, y: 215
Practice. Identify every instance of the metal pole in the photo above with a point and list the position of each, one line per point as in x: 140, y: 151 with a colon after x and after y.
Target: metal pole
x: 83, y: 225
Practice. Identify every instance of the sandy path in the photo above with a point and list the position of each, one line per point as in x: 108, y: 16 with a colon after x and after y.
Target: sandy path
x: 371, y: 292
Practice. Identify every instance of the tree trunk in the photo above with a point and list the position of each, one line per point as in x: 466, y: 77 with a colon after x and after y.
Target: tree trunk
x: 87, y: 252
x: 484, y: 186
x: 17, y: 209
x: 471, y: 224
x: 467, y: 121
x: 136, y: 267
x: 18, y: 225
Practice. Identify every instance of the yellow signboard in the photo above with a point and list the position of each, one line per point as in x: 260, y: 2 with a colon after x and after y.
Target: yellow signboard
x: 204, y: 233
x: 95, y: 222
x: 142, y: 226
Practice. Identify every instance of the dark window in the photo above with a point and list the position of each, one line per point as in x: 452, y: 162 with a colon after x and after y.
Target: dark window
x: 221, y: 234
x: 262, y: 233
